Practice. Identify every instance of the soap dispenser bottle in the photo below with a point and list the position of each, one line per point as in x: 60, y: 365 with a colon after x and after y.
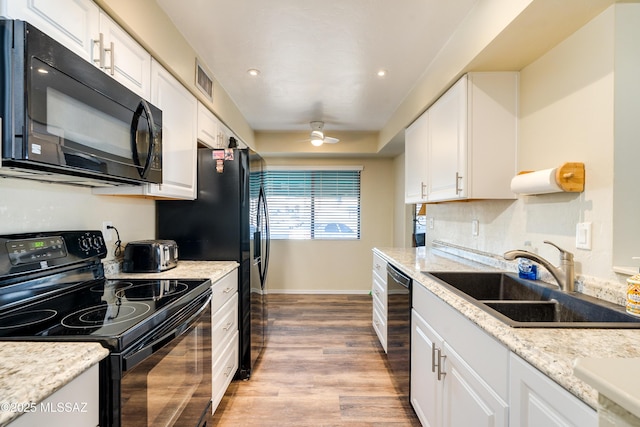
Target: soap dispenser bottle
x: 527, y: 269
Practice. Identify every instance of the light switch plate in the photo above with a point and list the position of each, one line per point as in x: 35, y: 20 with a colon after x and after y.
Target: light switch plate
x: 583, y: 235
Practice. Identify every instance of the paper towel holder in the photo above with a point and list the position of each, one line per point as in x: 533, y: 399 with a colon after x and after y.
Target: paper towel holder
x: 568, y: 178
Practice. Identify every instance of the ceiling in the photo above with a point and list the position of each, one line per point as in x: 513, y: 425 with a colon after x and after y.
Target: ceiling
x: 317, y: 59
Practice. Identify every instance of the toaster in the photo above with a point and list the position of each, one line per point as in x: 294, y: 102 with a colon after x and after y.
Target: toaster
x: 150, y: 256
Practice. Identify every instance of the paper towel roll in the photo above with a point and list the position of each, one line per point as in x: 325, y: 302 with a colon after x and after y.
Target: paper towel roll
x: 539, y: 182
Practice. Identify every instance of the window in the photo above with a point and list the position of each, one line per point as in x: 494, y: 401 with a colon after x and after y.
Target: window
x: 313, y: 203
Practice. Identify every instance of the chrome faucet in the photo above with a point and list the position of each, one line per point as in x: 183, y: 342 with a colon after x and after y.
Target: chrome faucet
x: 564, y: 273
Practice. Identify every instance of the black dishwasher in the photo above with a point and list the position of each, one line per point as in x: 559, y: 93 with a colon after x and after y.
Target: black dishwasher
x: 399, y: 327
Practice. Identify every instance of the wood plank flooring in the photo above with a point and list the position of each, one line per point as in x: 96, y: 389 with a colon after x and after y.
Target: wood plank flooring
x: 323, y: 366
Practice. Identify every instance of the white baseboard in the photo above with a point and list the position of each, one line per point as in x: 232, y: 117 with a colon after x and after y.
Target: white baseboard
x: 318, y: 291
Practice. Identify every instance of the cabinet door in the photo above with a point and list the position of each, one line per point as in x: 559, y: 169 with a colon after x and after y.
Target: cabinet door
x: 538, y: 401
x: 82, y: 394
x: 208, y: 132
x: 179, y: 146
x: 127, y: 62
x: 448, y: 144
x: 73, y: 23
x: 467, y: 399
x: 426, y: 388
x: 415, y: 160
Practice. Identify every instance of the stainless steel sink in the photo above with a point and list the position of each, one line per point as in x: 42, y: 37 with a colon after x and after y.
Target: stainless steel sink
x: 532, y: 304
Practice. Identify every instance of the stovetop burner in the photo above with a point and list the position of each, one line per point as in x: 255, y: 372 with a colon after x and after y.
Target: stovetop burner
x: 153, y: 290
x: 28, y: 318
x: 105, y: 315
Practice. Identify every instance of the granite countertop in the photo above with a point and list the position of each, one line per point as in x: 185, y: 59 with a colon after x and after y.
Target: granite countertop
x: 552, y: 351
x: 32, y: 371
x: 213, y: 270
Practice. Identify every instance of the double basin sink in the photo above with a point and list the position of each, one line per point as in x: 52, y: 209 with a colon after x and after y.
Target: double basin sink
x: 532, y: 304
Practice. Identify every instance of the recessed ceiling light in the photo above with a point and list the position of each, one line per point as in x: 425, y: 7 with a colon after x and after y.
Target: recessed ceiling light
x: 382, y: 73
x: 253, y: 72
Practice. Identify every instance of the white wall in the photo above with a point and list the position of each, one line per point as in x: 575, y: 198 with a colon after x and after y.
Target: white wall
x: 403, y: 214
x: 317, y: 266
x: 29, y: 206
x: 566, y: 114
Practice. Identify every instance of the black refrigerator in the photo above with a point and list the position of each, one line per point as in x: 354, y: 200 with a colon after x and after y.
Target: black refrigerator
x: 227, y: 222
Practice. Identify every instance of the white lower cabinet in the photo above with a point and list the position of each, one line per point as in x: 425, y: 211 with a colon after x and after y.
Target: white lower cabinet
x: 74, y: 405
x: 445, y: 390
x: 461, y: 376
x: 379, y: 294
x: 224, y: 335
x: 538, y: 401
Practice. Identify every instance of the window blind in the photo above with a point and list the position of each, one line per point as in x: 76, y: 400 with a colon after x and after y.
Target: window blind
x: 313, y: 204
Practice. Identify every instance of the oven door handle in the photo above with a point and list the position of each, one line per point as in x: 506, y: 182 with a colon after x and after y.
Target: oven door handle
x: 154, y: 343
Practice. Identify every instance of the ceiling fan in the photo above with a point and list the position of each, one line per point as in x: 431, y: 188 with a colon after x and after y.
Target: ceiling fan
x: 317, y: 136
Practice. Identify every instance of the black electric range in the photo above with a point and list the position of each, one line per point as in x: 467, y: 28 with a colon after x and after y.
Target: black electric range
x: 52, y: 286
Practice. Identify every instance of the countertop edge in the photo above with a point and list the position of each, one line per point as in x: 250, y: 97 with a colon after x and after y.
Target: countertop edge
x: 613, y: 378
x: 39, y: 369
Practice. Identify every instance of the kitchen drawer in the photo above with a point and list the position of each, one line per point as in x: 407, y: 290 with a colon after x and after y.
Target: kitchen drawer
x: 380, y: 267
x: 224, y: 323
x: 224, y: 370
x: 379, y: 292
x: 380, y: 325
x: 223, y: 290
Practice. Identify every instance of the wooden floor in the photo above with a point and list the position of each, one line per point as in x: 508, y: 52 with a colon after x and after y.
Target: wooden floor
x: 323, y: 366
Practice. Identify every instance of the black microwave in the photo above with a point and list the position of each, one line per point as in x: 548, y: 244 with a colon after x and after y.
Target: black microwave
x: 65, y: 120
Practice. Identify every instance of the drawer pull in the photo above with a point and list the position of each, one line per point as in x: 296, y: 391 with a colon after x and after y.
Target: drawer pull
x: 228, y: 372
x: 436, y: 354
x: 227, y: 290
x: 227, y: 326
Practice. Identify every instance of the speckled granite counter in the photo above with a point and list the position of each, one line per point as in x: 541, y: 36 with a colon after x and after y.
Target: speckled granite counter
x: 552, y: 351
x: 32, y: 371
x: 213, y: 270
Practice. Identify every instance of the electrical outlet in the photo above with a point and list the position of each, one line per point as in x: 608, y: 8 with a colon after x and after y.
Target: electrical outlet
x: 475, y: 227
x: 106, y: 232
x: 583, y: 235
x: 430, y: 222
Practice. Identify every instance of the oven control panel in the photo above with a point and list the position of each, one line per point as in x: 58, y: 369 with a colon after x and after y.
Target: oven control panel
x: 25, y: 251
x: 36, y: 251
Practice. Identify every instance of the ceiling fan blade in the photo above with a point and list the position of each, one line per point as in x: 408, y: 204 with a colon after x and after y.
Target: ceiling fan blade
x: 329, y: 140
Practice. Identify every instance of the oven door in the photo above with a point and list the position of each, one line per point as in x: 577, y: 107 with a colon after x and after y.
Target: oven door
x: 166, y: 378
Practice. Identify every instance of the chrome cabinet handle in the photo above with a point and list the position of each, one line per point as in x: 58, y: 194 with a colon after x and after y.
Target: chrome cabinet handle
x: 227, y: 290
x: 99, y: 61
x: 458, y: 180
x: 112, y: 65
x: 437, y: 359
x: 229, y: 368
x: 227, y: 326
x: 423, y: 190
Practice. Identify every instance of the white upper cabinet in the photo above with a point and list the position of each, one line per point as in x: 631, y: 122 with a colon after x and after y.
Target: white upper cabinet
x: 82, y: 27
x: 179, y: 135
x: 119, y: 55
x: 447, y: 152
x: 208, y: 126
x: 464, y: 145
x: 415, y: 157
x: 473, y: 138
x: 179, y: 140
x: 73, y: 23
